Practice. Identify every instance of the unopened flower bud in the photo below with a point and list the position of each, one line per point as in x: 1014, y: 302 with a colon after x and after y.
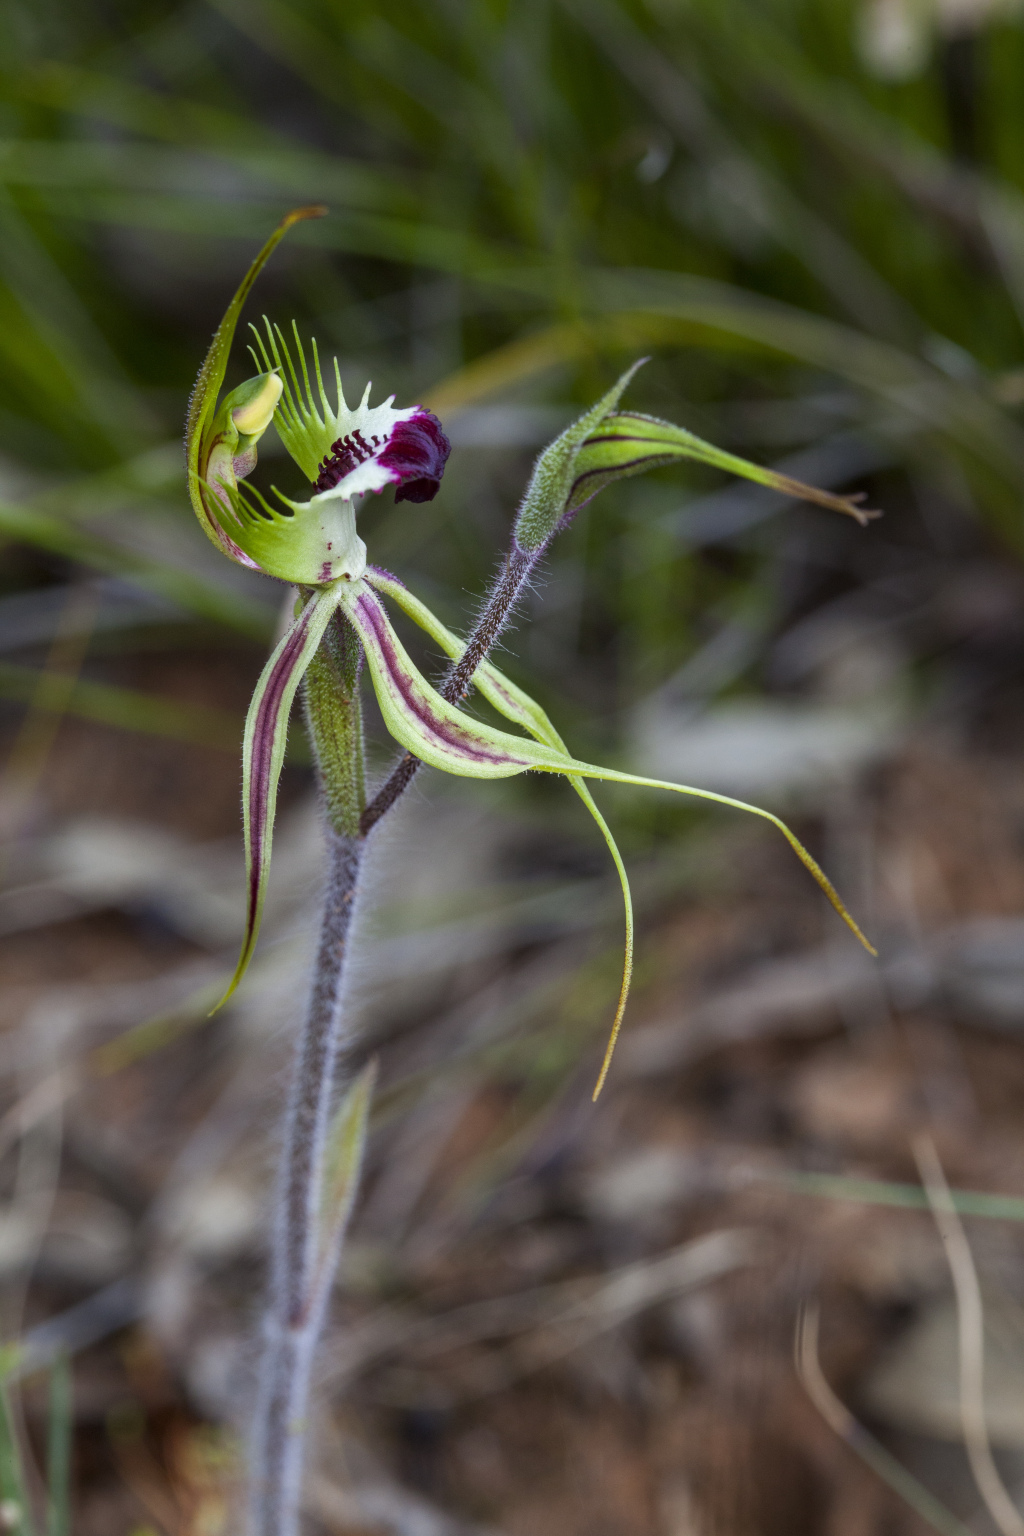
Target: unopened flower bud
x: 547, y: 496
x: 628, y: 443
x: 607, y: 445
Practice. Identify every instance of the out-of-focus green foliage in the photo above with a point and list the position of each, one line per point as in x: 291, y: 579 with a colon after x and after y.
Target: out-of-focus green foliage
x: 15, y: 1480
x: 821, y: 244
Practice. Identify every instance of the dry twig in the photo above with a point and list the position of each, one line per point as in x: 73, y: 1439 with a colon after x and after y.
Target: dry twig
x: 971, y: 1328
x: 839, y: 1418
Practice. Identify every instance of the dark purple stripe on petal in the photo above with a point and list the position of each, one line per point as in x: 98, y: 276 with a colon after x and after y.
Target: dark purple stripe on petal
x: 451, y: 737
x: 616, y: 471
x: 623, y: 437
x: 262, y: 752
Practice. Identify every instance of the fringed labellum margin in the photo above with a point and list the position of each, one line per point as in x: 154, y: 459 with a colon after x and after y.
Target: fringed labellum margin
x: 348, y: 449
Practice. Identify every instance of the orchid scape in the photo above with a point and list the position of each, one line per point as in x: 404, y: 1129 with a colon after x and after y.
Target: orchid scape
x: 341, y: 627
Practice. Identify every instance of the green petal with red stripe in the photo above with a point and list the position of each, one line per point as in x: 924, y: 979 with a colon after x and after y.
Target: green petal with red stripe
x: 517, y: 706
x: 266, y: 734
x: 439, y: 734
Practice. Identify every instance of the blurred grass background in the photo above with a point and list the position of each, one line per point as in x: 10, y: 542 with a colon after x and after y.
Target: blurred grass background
x: 810, y: 215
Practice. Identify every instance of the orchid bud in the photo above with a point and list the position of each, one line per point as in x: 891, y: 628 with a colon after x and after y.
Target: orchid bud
x: 547, y: 495
x: 628, y: 443
x: 607, y: 445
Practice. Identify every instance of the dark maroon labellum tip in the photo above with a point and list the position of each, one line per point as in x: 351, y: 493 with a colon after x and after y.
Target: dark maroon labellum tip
x: 414, y: 455
x: 417, y: 453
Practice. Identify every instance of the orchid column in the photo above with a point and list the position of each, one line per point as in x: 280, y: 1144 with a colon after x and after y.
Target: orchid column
x: 339, y: 625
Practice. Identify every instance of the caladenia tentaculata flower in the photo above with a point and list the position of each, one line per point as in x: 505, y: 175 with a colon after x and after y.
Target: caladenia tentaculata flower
x: 341, y: 627
x: 345, y: 453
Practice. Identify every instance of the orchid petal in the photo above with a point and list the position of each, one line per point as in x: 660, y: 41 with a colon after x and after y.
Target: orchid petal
x: 442, y: 736
x: 202, y: 406
x: 499, y: 690
x: 415, y: 713
x: 517, y: 706
x: 266, y: 732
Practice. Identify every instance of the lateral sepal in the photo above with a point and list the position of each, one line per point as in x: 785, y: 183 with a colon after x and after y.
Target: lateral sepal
x: 266, y: 735
x: 516, y: 705
x: 441, y: 735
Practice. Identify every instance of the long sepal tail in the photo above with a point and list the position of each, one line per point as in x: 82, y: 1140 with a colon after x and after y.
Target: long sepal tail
x: 203, y: 402
x: 614, y: 776
x: 516, y: 705
x: 442, y: 736
x: 266, y: 735
x: 627, y: 954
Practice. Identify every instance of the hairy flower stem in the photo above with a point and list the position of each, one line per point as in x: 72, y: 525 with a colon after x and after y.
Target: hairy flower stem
x: 505, y: 593
x: 300, y: 1277
x: 299, y: 1287
x: 301, y: 1271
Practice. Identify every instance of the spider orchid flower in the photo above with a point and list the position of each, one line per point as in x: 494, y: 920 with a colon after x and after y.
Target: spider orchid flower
x: 345, y: 453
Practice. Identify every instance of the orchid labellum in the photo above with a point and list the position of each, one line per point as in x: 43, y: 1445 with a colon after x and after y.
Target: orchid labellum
x: 346, y: 452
